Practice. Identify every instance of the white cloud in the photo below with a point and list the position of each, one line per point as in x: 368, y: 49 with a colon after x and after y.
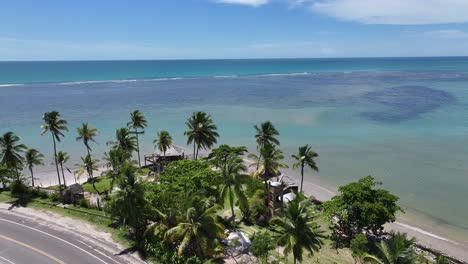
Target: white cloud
x: 396, y: 12
x: 245, y: 2
x: 447, y: 34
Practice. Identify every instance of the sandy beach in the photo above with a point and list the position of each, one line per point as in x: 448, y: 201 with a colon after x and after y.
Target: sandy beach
x: 313, y: 187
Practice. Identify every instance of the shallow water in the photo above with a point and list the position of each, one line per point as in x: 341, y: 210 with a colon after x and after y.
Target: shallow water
x: 407, y: 128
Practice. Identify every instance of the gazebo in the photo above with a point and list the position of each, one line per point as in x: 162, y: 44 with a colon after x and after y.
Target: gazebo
x: 158, y: 160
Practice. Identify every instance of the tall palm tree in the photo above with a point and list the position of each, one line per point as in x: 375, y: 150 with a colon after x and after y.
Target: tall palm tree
x: 86, y: 133
x: 10, y: 152
x: 201, y: 132
x: 115, y: 159
x: 88, y: 165
x: 138, y: 120
x: 398, y: 249
x: 198, y: 230
x: 54, y: 124
x: 268, y: 163
x: 33, y: 157
x: 124, y: 140
x: 304, y: 157
x: 231, y: 185
x: 62, y: 158
x: 266, y: 135
x: 297, y: 230
x: 163, y: 142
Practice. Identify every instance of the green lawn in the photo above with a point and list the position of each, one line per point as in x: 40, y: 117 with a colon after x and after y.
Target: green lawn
x: 102, y: 184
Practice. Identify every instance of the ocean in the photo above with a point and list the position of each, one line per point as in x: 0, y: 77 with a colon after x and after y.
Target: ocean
x: 402, y: 120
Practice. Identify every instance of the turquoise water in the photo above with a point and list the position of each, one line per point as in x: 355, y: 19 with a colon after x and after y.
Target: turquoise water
x: 402, y: 120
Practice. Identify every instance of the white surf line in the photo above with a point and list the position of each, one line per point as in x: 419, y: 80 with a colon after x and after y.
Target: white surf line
x: 419, y: 230
x: 7, y: 260
x: 58, y: 238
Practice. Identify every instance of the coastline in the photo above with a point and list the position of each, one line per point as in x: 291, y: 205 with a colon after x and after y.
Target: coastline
x: 321, y: 192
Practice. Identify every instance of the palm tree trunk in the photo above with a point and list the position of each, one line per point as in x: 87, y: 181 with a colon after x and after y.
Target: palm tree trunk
x: 196, y: 156
x: 194, y: 150
x: 32, y: 176
x: 17, y: 173
x: 63, y: 174
x: 302, y: 174
x: 138, y: 148
x: 56, y: 166
x: 295, y: 260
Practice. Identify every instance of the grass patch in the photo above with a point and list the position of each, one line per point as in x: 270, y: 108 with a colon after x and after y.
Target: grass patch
x: 102, y: 184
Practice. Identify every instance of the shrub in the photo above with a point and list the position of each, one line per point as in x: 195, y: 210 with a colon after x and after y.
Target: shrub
x: 18, y: 188
x: 262, y: 244
x: 43, y: 194
x: 54, y: 197
x: 84, y: 203
x: 359, y: 246
x: 258, y: 209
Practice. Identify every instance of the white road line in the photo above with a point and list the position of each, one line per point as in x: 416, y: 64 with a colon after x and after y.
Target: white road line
x: 58, y: 238
x: 9, y: 261
x: 104, y: 255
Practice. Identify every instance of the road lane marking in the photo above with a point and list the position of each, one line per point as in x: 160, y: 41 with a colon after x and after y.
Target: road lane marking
x: 58, y: 238
x: 33, y: 249
x: 7, y: 260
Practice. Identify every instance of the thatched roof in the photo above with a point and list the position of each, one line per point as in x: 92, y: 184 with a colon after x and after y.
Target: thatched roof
x: 174, y: 150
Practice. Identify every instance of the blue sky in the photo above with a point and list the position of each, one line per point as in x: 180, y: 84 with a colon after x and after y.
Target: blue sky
x: 188, y: 29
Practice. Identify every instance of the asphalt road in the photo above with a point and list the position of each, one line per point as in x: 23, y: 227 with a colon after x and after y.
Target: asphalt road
x: 30, y: 241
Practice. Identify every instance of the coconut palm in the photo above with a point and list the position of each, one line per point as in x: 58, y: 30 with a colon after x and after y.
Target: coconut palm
x: 88, y: 165
x: 268, y: 163
x: 304, y: 157
x: 86, y: 133
x: 296, y: 230
x: 62, y: 158
x: 397, y: 249
x: 266, y: 135
x: 10, y: 152
x: 201, y: 132
x: 124, y: 140
x: 33, y: 157
x: 231, y: 186
x: 115, y: 160
x: 138, y: 120
x: 163, y: 142
x: 54, y: 124
x: 199, y: 230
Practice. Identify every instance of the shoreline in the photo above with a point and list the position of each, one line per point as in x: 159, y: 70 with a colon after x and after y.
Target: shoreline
x: 312, y: 187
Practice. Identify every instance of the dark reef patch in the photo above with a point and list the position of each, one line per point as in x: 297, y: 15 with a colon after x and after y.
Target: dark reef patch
x: 405, y: 102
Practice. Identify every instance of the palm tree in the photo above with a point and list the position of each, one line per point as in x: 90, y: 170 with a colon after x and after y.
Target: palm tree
x: 268, y: 163
x: 115, y: 160
x: 138, y: 120
x: 33, y: 157
x: 163, y: 142
x: 54, y: 124
x: 198, y: 230
x: 398, y: 249
x: 201, y: 132
x: 88, y: 165
x: 266, y: 135
x: 231, y: 186
x: 10, y: 152
x: 304, y: 157
x: 86, y: 133
x: 124, y: 140
x: 62, y: 158
x: 297, y: 230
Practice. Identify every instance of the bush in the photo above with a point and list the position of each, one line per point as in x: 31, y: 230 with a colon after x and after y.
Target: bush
x: 359, y: 246
x: 84, y: 203
x: 54, y: 197
x: 262, y: 244
x: 258, y: 209
x: 43, y: 194
x: 18, y: 188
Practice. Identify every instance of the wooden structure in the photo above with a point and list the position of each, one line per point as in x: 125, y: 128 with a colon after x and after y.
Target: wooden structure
x: 73, y: 193
x: 158, y: 160
x: 279, y: 191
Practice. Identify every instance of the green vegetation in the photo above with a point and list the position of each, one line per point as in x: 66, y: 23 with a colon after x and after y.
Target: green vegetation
x: 186, y: 216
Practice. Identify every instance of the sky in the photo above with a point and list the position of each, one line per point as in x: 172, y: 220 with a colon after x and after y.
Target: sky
x: 214, y: 29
